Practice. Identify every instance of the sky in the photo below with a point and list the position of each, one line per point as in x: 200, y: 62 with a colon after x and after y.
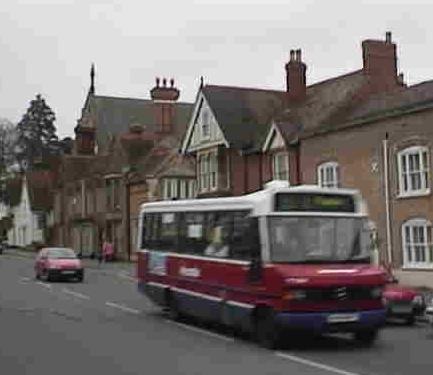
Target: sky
x: 47, y: 46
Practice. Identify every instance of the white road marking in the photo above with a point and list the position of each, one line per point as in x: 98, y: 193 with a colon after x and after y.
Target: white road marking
x: 75, y: 294
x: 123, y: 307
x: 124, y: 275
x: 202, y: 331
x: 24, y: 279
x: 318, y: 365
x: 47, y: 286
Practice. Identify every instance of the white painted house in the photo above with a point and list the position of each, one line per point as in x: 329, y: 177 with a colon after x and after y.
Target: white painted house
x: 30, y: 214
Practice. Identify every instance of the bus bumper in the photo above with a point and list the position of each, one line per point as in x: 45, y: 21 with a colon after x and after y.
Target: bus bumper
x: 332, y: 322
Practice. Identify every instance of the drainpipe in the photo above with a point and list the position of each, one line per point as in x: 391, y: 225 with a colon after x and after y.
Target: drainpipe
x: 128, y: 218
x: 387, y: 203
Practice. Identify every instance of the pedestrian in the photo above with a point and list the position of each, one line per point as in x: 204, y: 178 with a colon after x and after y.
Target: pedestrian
x: 101, y: 253
x: 108, y: 251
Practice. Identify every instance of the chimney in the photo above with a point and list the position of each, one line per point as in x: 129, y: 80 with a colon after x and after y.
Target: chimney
x: 296, y: 76
x: 380, y: 61
x: 164, y: 98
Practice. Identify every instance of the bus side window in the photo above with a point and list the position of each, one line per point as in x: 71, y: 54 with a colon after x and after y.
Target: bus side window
x: 192, y: 233
x: 245, y: 238
x: 143, y: 232
x: 152, y: 231
x: 168, y: 238
x: 218, y: 234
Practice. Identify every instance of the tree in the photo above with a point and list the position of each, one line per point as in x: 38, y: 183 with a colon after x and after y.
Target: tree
x: 36, y: 133
x: 7, y: 142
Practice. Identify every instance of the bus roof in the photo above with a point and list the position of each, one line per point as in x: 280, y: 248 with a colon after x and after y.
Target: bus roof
x: 257, y: 201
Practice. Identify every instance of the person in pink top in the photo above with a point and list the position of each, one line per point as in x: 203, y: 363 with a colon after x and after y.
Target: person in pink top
x: 107, y: 251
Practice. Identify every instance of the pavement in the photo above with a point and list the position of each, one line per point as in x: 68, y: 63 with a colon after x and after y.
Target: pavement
x: 104, y: 325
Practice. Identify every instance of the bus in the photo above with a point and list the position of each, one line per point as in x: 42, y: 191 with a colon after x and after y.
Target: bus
x: 280, y: 260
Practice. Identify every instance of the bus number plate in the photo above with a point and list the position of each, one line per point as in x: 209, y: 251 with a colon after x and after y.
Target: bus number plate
x: 343, y: 318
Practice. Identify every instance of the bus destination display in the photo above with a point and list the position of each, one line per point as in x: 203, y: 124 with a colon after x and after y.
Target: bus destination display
x: 314, y: 202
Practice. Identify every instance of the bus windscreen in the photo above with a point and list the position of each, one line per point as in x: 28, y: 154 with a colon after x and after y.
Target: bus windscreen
x: 314, y: 202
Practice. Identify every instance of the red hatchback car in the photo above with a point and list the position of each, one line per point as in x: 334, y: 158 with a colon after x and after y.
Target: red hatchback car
x: 58, y: 263
x: 403, y: 302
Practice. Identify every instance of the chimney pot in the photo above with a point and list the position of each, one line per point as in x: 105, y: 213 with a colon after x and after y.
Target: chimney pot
x: 157, y: 81
x: 388, y: 37
x: 292, y: 55
x: 164, y: 82
x: 298, y: 55
x: 171, y: 82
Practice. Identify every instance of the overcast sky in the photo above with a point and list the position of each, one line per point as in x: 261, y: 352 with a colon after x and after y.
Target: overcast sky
x: 47, y: 46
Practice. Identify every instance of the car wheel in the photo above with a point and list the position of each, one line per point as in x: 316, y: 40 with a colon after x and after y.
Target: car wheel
x: 266, y: 331
x: 410, y: 320
x: 48, y: 276
x: 80, y: 278
x: 366, y: 337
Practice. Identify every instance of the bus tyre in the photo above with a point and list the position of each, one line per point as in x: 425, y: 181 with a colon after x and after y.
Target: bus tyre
x: 367, y: 337
x: 266, y: 330
x: 173, y: 310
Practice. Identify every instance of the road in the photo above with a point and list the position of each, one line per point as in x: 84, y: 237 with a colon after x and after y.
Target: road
x: 104, y: 326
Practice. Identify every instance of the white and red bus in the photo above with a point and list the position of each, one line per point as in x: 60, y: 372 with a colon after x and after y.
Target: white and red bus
x: 284, y: 258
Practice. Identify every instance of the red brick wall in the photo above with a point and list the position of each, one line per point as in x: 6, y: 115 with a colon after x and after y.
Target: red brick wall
x: 357, y: 151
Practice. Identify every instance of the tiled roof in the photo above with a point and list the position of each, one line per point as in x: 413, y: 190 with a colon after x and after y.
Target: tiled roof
x: 115, y: 115
x: 413, y: 96
x: 245, y: 115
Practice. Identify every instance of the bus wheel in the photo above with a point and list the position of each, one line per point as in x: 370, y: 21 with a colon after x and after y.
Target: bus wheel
x: 173, y: 310
x: 266, y: 330
x: 367, y: 337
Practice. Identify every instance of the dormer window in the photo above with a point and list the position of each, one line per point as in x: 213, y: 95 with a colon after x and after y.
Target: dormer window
x: 280, y: 166
x: 205, y: 124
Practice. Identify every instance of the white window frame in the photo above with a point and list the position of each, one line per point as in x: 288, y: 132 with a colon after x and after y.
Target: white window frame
x: 208, y: 171
x: 203, y: 166
x: 405, y: 182
x: 409, y: 230
x: 169, y: 188
x: 182, y: 189
x: 323, y: 169
x: 280, y: 166
x: 165, y: 188
x: 192, y: 189
x: 174, y: 188
x: 205, y: 123
x: 213, y: 170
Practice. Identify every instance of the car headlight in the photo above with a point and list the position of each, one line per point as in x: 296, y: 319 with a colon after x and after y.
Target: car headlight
x: 376, y: 292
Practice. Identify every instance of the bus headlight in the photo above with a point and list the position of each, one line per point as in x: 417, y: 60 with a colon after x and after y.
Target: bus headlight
x: 376, y: 292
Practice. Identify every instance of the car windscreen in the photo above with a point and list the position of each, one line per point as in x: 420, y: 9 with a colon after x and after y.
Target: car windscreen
x: 61, y: 254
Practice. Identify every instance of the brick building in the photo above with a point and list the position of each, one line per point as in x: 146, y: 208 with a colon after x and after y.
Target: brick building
x: 376, y: 139
x: 365, y: 129
x: 114, y: 136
